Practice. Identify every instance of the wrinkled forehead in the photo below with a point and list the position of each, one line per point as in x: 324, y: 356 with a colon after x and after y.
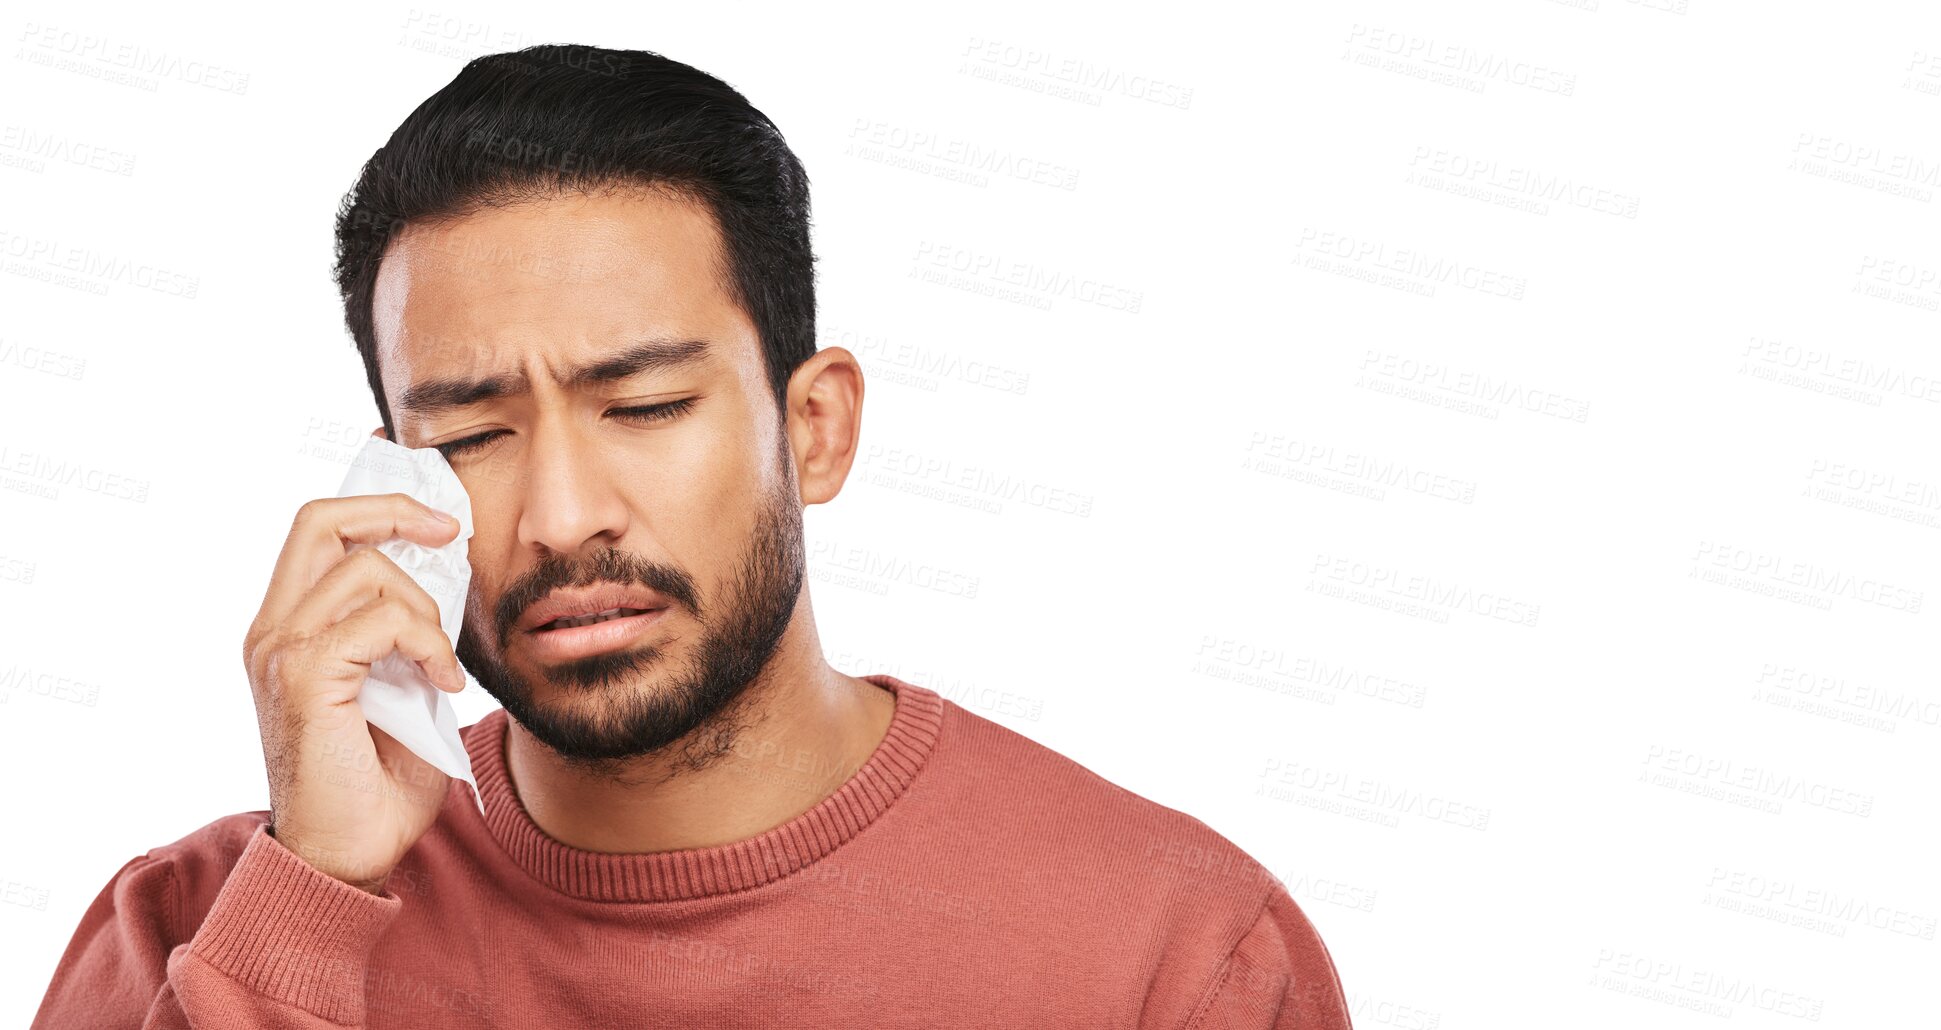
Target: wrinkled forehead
x: 567, y: 277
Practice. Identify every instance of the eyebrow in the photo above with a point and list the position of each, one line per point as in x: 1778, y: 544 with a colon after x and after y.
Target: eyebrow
x: 440, y: 394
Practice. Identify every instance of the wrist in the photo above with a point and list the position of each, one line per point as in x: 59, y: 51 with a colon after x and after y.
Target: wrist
x: 334, y: 863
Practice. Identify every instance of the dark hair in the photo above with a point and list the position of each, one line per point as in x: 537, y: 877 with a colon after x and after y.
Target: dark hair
x: 553, y: 119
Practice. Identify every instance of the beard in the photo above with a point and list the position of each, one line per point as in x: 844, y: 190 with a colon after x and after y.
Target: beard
x: 600, y: 710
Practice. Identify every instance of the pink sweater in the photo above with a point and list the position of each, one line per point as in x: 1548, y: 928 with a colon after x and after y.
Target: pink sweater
x: 963, y: 876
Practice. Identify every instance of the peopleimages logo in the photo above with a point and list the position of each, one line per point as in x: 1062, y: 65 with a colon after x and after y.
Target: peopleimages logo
x: 44, y: 254
x: 88, y: 54
x: 1479, y: 66
x: 1814, y: 579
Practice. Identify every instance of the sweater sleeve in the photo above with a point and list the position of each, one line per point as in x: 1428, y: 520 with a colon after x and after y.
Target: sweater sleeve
x: 284, y: 946
x: 1278, y: 977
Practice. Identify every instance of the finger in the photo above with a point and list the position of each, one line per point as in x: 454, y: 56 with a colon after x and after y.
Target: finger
x: 417, y: 780
x: 340, y: 658
x: 359, y: 578
x: 322, y: 533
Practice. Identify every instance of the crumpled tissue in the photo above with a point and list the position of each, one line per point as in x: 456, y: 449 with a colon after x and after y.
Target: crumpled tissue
x: 397, y: 698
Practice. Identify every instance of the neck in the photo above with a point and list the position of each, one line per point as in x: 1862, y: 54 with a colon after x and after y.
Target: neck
x: 801, y: 730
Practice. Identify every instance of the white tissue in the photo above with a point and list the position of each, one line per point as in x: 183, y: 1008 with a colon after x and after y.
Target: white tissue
x: 397, y: 698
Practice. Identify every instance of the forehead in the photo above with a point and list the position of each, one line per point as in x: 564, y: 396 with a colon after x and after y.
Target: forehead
x: 567, y: 279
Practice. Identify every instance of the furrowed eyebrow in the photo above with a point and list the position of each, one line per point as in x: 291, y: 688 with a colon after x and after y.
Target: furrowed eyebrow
x: 651, y: 356
x: 434, y: 396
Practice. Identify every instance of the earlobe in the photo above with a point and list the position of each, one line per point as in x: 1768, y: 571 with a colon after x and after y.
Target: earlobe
x: 379, y: 433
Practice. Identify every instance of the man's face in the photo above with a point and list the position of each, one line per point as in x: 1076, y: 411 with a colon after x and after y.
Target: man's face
x: 668, y: 475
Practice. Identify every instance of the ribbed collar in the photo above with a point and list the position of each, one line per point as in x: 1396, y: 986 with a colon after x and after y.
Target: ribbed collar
x: 722, y: 869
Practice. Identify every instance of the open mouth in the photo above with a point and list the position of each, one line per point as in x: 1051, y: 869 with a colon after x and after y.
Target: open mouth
x: 588, y: 620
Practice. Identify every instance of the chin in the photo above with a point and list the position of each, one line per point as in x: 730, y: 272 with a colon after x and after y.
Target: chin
x: 602, y: 673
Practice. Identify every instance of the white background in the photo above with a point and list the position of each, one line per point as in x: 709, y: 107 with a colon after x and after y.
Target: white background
x: 1508, y: 512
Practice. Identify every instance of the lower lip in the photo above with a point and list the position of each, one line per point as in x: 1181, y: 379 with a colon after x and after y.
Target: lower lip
x: 558, y: 645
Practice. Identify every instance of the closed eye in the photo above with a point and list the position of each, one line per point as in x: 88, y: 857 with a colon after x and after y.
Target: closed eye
x: 643, y: 413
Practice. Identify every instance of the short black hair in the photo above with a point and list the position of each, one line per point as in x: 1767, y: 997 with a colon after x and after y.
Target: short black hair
x: 555, y: 119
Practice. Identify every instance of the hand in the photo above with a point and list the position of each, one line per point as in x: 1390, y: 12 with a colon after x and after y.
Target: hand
x: 344, y: 795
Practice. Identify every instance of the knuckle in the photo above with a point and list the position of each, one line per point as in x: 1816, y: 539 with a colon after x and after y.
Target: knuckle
x: 261, y: 650
x: 290, y: 660
x: 276, y: 669
x: 370, y: 560
x: 260, y: 629
x: 256, y: 670
x: 396, y: 608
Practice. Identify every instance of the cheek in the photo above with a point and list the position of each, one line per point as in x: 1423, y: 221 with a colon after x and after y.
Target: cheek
x: 484, y: 593
x: 696, y: 509
x: 696, y: 494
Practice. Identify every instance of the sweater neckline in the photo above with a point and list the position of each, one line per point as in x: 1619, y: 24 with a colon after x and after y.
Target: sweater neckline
x: 721, y: 869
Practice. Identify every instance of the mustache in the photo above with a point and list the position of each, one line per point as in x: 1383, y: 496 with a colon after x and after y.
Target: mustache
x: 609, y: 565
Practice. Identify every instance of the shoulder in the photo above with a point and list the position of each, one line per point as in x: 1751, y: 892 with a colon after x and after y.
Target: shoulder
x: 1207, y: 925
x: 1280, y: 972
x: 1122, y: 849
x: 1025, y: 783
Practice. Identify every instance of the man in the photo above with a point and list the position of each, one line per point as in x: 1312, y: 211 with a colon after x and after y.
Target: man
x: 585, y: 276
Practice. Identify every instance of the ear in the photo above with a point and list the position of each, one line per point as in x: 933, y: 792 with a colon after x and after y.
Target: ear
x: 379, y: 433
x: 825, y: 418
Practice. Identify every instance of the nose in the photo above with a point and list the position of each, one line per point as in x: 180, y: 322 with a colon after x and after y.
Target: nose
x: 570, y: 494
